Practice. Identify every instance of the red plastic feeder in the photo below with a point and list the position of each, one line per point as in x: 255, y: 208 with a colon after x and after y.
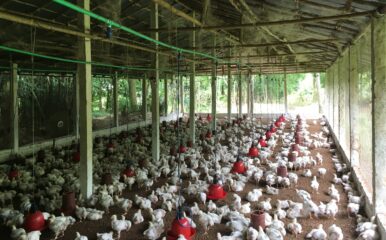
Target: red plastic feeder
x: 209, y: 118
x: 295, y: 147
x: 182, y: 149
x: 258, y: 219
x: 253, y: 152
x: 128, y: 172
x: 76, y: 157
x: 282, y: 171
x: 181, y: 226
x: 68, y: 204
x: 110, y: 147
x: 208, y: 134
x: 239, y: 167
x: 292, y: 156
x: 216, y: 192
x: 34, y: 222
x: 282, y: 118
x: 277, y: 123
x: 273, y: 129
x: 173, y: 150
x: 13, y: 174
x: 268, y: 134
x: 262, y: 142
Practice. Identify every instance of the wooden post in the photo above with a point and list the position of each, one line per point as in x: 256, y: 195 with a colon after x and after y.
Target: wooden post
x: 77, y: 111
x: 115, y: 99
x: 14, y: 110
x: 285, y: 92
x: 166, y: 95
x: 192, y: 90
x: 378, y: 62
x: 154, y: 81
x: 214, y: 88
x: 239, y: 95
x: 229, y: 97
x: 85, y: 100
x: 144, y: 99
x: 132, y: 94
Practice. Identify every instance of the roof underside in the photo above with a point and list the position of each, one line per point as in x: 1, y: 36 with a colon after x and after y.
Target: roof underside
x: 307, y: 46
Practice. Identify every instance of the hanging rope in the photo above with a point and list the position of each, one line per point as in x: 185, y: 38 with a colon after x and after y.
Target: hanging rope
x: 33, y: 43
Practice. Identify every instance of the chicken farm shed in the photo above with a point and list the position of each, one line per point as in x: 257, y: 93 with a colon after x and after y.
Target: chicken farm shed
x: 188, y: 119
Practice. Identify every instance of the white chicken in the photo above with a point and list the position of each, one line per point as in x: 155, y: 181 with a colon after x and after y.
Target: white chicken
x: 123, y: 203
x: 205, y: 220
x: 294, y: 227
x: 254, y: 195
x: 105, y: 236
x: 331, y: 209
x: 80, y: 237
x: 315, y: 185
x: 154, y: 231
x: 35, y: 235
x: 18, y: 233
x: 334, y: 193
x: 120, y: 225
x: 335, y: 233
x: 252, y: 234
x: 211, y: 206
x: 265, y: 205
x: 317, y: 233
x: 138, y: 218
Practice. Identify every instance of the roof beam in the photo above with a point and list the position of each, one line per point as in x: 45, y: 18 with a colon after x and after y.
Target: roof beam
x: 271, y: 44
x: 191, y: 19
x: 269, y: 23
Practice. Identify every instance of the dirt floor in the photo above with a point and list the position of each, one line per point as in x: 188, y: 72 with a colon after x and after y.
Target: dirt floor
x: 90, y: 228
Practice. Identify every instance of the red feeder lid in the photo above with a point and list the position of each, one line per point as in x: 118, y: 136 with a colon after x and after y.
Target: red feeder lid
x: 182, y: 149
x: 253, y: 152
x: 128, y: 172
x: 263, y: 143
x: 216, y: 192
x: 76, y: 156
x: 181, y: 227
x: 13, y: 174
x: 239, y: 167
x: 268, y: 134
x: 273, y: 129
x: 208, y: 134
x: 34, y: 222
x: 277, y: 123
x: 209, y: 118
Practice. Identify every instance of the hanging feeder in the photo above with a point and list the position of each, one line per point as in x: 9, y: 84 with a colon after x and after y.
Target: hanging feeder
x: 76, y: 157
x: 68, y: 204
x: 295, y: 147
x: 239, y: 166
x: 292, y: 156
x: 282, y: 118
x: 200, y: 118
x: 173, y: 150
x: 209, y: 118
x: 277, y: 123
x: 181, y: 226
x: 208, y: 134
x: 258, y: 219
x: 128, y: 172
x: 34, y: 221
x: 268, y: 134
x: 110, y: 146
x: 13, y: 173
x: 272, y: 129
x: 182, y: 148
x: 253, y: 151
x: 282, y: 171
x: 262, y: 142
x: 216, y: 191
x: 107, y: 179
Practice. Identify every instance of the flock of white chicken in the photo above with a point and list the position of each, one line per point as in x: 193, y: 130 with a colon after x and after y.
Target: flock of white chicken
x: 43, y: 182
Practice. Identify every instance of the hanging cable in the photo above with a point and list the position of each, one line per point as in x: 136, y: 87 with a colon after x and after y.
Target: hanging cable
x: 33, y: 43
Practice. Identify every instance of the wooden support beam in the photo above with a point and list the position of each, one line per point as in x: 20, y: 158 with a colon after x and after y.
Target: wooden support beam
x: 214, y: 89
x: 14, y: 111
x: 270, y: 23
x: 285, y: 92
x: 192, y: 92
x: 329, y: 40
x: 229, y: 95
x: 166, y: 112
x: 185, y: 16
x: 77, y: 107
x: 144, y: 99
x: 154, y: 81
x: 115, y: 99
x: 85, y: 100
